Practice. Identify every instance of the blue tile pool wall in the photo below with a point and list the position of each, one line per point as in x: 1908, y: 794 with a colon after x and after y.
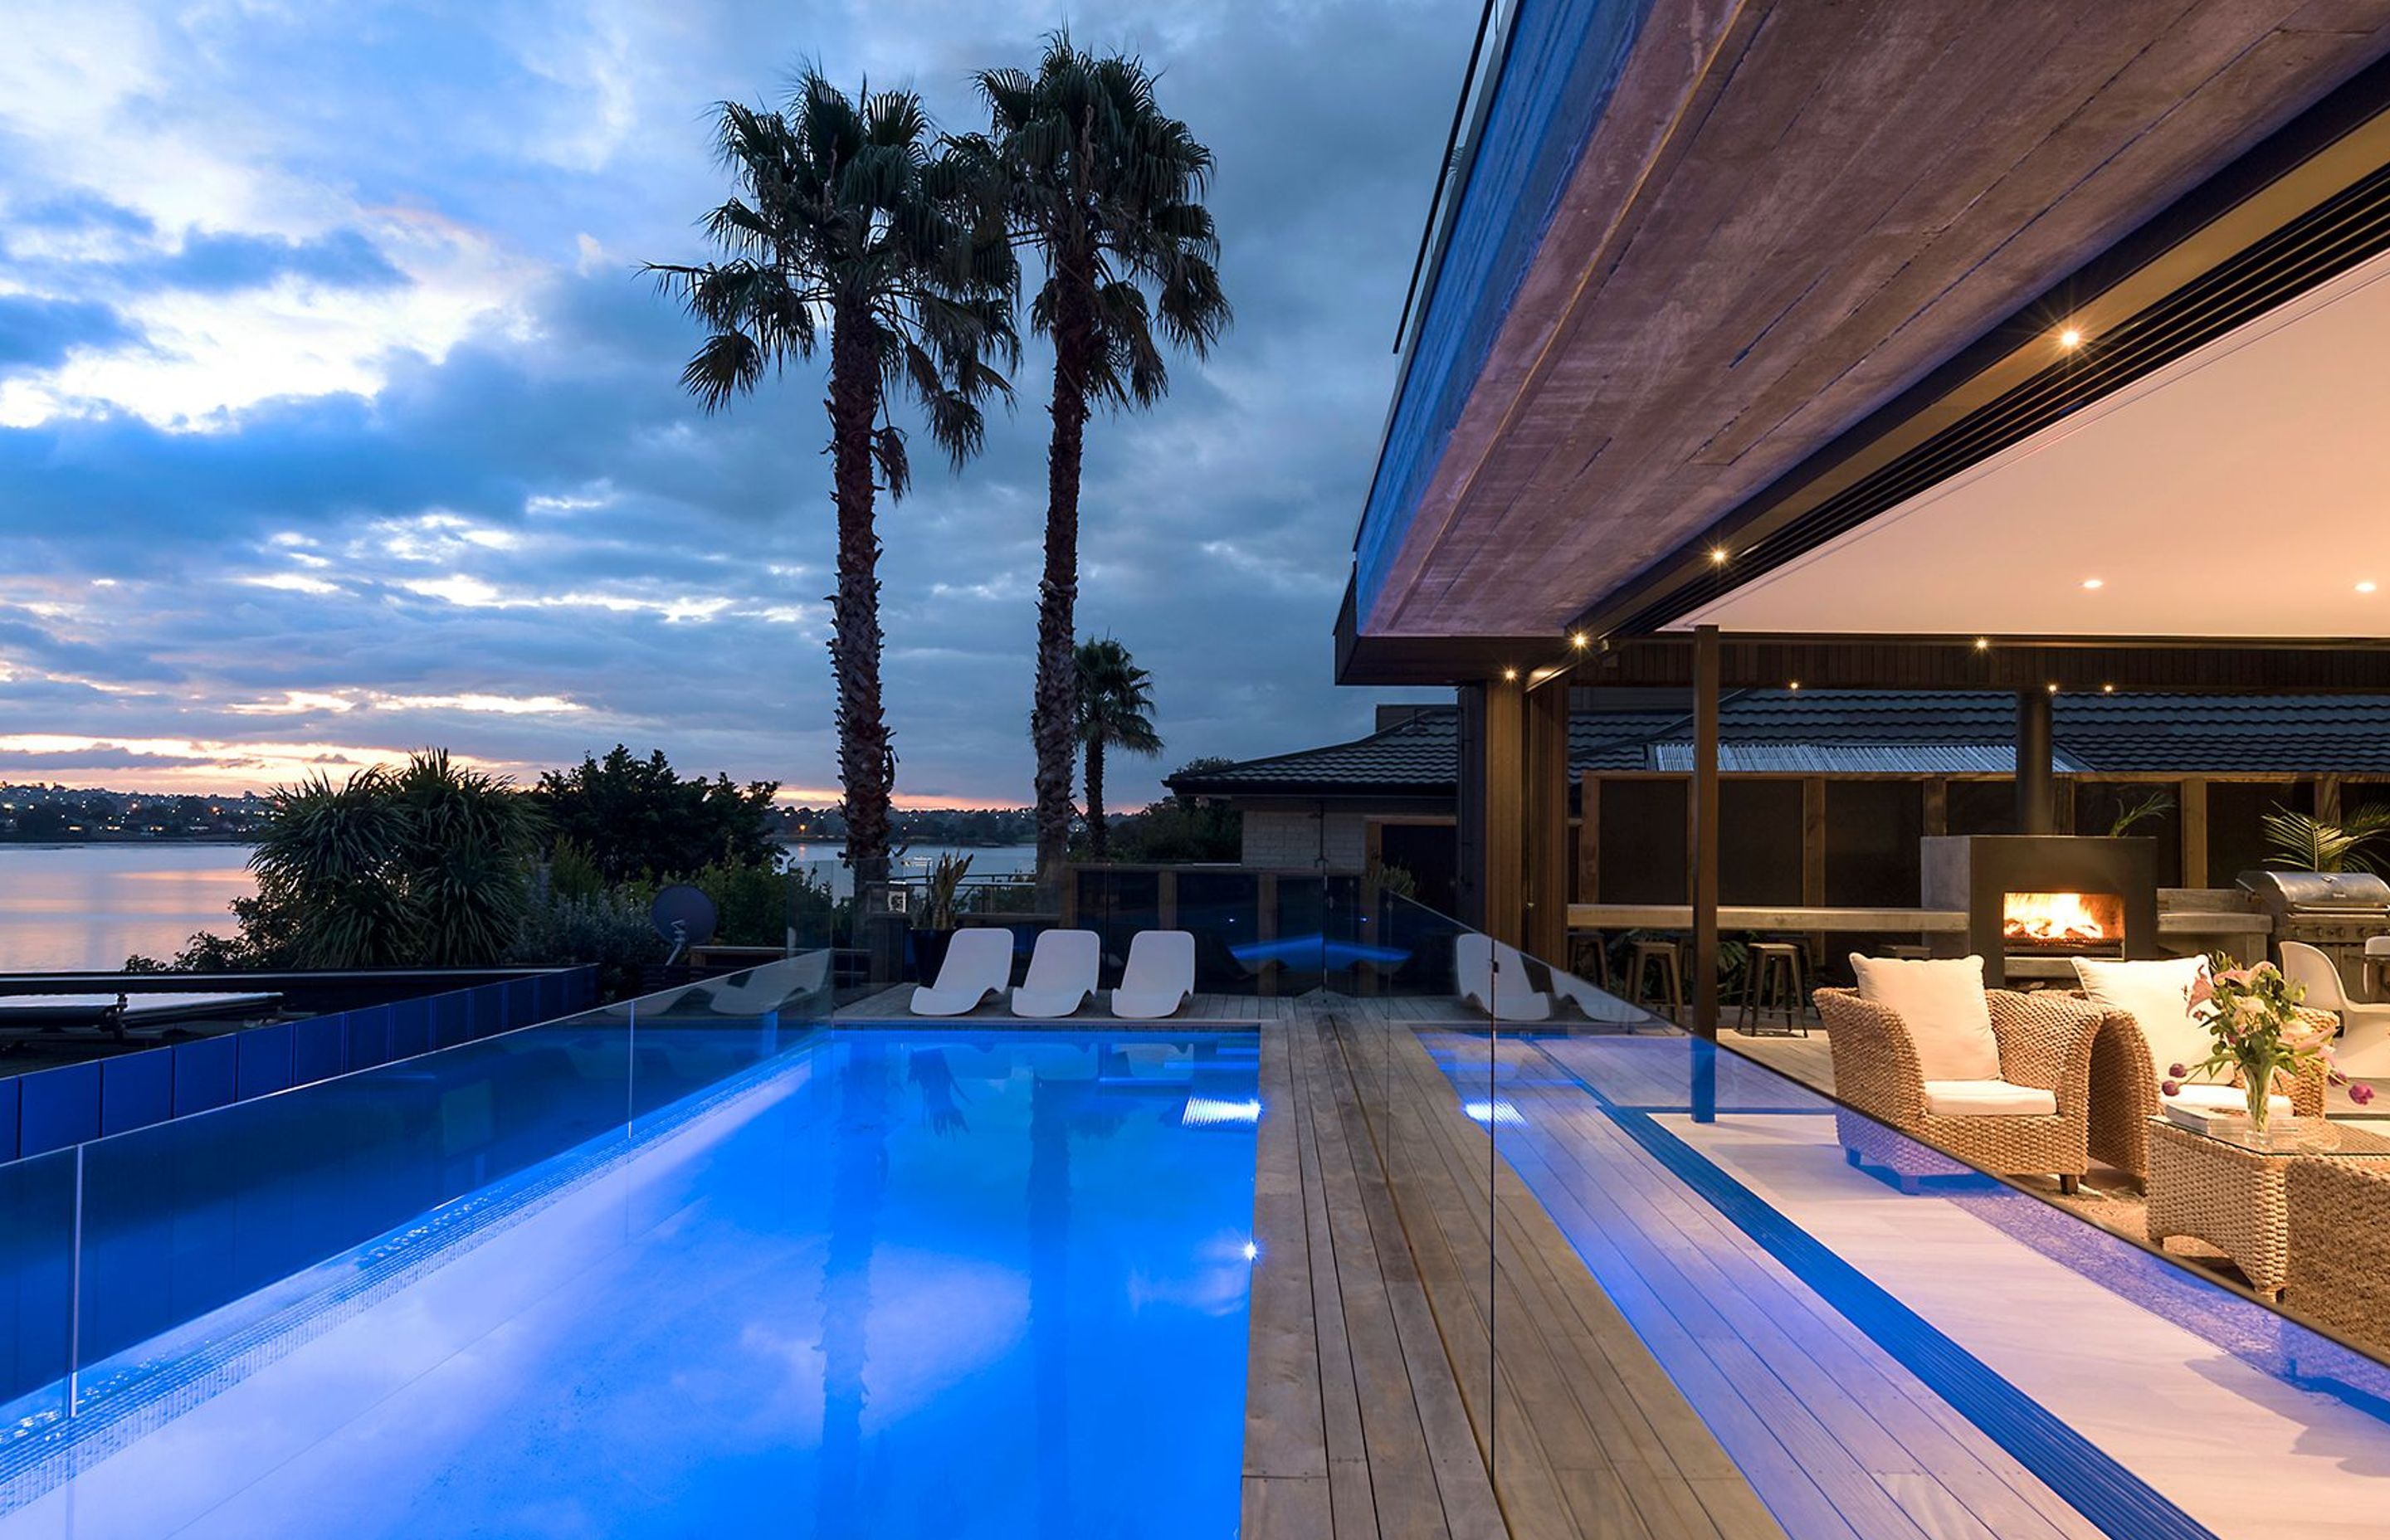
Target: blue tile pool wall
x: 36, y: 1285
x: 184, y: 1217
x: 168, y: 1222
x: 53, y: 1109
x: 115, y: 1403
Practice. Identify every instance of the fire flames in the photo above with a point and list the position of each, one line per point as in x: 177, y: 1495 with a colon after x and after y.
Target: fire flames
x: 2060, y: 920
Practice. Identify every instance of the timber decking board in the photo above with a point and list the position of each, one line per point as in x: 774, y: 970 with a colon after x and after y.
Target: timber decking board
x: 1558, y: 1432
x: 1391, y: 1236
x: 1881, y: 1448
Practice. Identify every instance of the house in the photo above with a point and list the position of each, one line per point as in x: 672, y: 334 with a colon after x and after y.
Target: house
x: 1825, y: 795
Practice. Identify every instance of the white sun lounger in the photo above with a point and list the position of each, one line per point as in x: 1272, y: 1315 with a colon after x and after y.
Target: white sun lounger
x: 1598, y: 1004
x: 769, y: 986
x: 979, y: 963
x: 1159, y: 978
x: 1505, y: 994
x: 1062, y: 975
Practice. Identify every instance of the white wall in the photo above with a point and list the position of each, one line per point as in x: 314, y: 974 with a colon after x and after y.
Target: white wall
x: 1290, y: 840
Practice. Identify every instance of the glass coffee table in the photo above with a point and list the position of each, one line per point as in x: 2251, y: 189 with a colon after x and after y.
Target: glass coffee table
x: 2224, y: 1185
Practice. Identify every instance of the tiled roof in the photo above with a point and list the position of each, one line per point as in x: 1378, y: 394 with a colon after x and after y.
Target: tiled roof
x: 1855, y: 759
x: 1844, y: 732
x: 1420, y: 756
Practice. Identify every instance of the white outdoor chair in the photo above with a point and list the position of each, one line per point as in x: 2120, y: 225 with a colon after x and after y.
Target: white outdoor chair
x: 1159, y: 978
x: 2363, y: 1047
x: 1062, y: 975
x: 770, y: 986
x: 1598, y: 1004
x: 979, y: 963
x: 1504, y: 992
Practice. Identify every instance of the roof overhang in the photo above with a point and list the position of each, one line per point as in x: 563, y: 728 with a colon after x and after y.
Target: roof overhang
x: 1531, y: 543
x: 1821, y: 660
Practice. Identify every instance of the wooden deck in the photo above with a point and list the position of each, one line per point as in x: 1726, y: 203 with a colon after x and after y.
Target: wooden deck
x: 1374, y: 1393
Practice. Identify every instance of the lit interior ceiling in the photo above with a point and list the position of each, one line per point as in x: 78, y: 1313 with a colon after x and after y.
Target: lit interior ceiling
x: 2242, y: 493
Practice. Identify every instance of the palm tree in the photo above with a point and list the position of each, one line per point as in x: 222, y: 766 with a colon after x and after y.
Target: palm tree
x: 1107, y: 190
x: 423, y: 867
x: 847, y: 213
x: 324, y: 858
x: 1114, y: 695
x: 466, y: 870
x: 2307, y: 843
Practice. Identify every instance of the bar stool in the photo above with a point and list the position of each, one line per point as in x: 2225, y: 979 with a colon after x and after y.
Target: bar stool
x: 1646, y: 954
x: 1774, y: 982
x: 1591, y: 949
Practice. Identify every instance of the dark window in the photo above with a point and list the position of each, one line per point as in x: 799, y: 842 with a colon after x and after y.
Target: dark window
x: 2097, y: 805
x: 1982, y: 807
x: 1644, y: 842
x: 1759, y: 856
x: 1871, y: 833
x: 2236, y: 811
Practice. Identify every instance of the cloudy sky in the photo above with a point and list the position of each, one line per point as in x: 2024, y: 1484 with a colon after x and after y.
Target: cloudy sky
x: 334, y: 419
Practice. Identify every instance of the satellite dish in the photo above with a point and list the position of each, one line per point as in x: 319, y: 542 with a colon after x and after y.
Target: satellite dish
x: 683, y: 916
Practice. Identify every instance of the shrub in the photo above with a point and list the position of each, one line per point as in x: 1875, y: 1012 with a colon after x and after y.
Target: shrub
x: 608, y: 928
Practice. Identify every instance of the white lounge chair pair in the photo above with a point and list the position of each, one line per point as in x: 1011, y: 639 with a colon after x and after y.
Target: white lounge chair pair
x: 1493, y: 977
x: 1062, y: 971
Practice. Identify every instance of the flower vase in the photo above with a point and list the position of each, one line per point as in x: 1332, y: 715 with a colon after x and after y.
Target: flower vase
x: 2257, y: 1079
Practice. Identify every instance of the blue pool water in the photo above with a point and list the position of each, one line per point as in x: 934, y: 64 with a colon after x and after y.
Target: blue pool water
x: 899, y: 1285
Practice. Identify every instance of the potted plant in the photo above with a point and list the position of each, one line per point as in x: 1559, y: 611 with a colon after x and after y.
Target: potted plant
x: 2260, y: 1033
x: 933, y: 921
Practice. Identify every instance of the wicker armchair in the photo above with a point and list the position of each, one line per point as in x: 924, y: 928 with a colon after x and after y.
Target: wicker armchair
x: 2045, y: 1040
x: 2125, y: 1094
x: 2339, y: 1270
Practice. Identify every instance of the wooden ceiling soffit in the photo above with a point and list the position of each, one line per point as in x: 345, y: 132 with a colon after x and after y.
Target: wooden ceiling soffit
x: 2310, y: 203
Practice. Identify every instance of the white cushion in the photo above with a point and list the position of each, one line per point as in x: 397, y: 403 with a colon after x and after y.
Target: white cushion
x: 1940, y: 1000
x: 2156, y: 995
x: 2224, y: 1098
x: 1988, y: 1099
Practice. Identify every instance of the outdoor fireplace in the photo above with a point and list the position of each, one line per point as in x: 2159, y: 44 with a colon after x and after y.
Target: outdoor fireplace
x: 2035, y: 898
x: 2063, y: 922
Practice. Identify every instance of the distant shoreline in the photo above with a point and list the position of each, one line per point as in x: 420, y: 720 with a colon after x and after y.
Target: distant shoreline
x: 121, y: 844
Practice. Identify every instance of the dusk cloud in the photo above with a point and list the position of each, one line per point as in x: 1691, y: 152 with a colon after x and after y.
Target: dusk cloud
x: 335, y: 419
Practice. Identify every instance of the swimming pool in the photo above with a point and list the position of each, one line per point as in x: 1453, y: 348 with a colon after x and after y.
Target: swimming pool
x: 888, y: 1283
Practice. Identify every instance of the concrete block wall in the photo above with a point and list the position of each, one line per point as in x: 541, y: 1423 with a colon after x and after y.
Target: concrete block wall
x: 1291, y: 841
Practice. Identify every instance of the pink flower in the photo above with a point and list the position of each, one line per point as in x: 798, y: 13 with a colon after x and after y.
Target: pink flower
x: 2360, y: 1093
x: 2203, y: 989
x: 2306, y: 1034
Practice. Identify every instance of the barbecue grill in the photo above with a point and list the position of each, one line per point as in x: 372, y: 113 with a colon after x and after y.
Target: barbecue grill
x: 2335, y: 912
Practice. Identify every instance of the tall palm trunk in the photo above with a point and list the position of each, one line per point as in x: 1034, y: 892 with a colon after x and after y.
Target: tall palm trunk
x: 1055, y: 711
x: 1098, y: 837
x: 866, y: 764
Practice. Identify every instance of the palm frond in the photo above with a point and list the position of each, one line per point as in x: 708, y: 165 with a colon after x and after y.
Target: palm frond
x: 2307, y: 843
x: 895, y: 468
x: 1114, y: 696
